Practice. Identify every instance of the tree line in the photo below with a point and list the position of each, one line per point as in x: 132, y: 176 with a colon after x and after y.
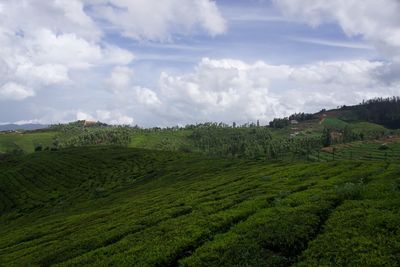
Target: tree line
x: 80, y: 134
x: 384, y: 111
x: 283, y: 122
x: 249, y: 142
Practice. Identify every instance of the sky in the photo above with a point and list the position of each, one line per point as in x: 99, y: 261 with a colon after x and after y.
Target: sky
x: 176, y: 62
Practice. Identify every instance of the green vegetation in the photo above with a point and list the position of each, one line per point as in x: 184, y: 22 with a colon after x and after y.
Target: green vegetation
x: 119, y: 206
x: 369, y: 130
x: 384, y: 111
x: 83, y: 133
x: 25, y: 141
x: 333, y: 123
x: 309, y: 190
x: 298, y: 135
x: 383, y: 150
x: 161, y: 139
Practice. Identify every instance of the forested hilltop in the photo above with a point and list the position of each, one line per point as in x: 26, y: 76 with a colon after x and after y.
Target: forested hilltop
x: 300, y: 135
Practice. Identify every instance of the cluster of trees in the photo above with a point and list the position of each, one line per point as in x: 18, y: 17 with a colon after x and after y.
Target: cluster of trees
x: 385, y: 111
x: 279, y: 123
x: 118, y: 135
x: 227, y: 141
x: 222, y: 125
x: 301, y: 116
x: 55, y: 146
x: 331, y: 136
x: 283, y: 122
x: 77, y: 126
x: 250, y: 142
x: 81, y: 133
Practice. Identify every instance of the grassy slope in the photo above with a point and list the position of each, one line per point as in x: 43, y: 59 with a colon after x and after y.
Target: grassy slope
x: 334, y: 123
x: 25, y: 141
x: 178, y: 139
x: 161, y: 140
x: 125, y: 207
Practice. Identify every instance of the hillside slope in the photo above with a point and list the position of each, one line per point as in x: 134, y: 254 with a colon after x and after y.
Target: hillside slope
x: 25, y: 142
x: 123, y: 207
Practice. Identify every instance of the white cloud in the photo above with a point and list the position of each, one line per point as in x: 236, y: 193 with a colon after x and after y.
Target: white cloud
x: 146, y: 96
x: 223, y: 90
x: 376, y: 21
x: 33, y: 121
x: 159, y: 20
x: 114, y: 117
x: 47, y: 73
x: 231, y: 90
x: 61, y: 40
x: 58, y: 39
x: 60, y: 43
x: 65, y: 16
x: 120, y: 78
x: 68, y: 49
x: 121, y: 84
x: 15, y: 91
x: 80, y: 116
x: 122, y: 120
x: 114, y: 55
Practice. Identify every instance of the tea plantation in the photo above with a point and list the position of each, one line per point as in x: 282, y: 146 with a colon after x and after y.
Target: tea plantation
x: 369, y: 150
x: 113, y: 206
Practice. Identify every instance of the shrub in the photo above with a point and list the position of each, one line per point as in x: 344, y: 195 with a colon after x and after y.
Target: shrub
x: 349, y: 191
x: 383, y: 147
x: 38, y: 148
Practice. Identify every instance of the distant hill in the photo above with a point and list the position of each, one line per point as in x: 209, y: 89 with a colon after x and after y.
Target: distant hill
x: 27, y: 127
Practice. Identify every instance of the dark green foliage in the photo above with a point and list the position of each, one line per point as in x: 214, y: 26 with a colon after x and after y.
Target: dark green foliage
x: 249, y: 142
x: 121, y: 207
x: 283, y: 122
x: 279, y: 123
x: 348, y: 135
x: 301, y: 117
x: 326, y: 137
x: 385, y: 111
x: 38, y: 147
x: 363, y: 231
x: 384, y: 147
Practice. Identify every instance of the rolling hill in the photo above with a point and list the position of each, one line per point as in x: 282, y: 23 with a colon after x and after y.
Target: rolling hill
x: 25, y: 141
x: 133, y: 207
x: 211, y: 194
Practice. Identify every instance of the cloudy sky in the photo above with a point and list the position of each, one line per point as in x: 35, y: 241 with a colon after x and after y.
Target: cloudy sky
x: 169, y: 62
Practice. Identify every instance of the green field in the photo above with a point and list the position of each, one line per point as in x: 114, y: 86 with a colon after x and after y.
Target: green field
x: 244, y: 196
x: 25, y: 141
x: 333, y: 123
x: 370, y: 150
x: 131, y: 207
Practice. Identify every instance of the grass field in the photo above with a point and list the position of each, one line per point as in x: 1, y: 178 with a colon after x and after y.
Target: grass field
x: 25, y: 141
x: 132, y: 207
x: 333, y: 123
x: 366, y: 126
